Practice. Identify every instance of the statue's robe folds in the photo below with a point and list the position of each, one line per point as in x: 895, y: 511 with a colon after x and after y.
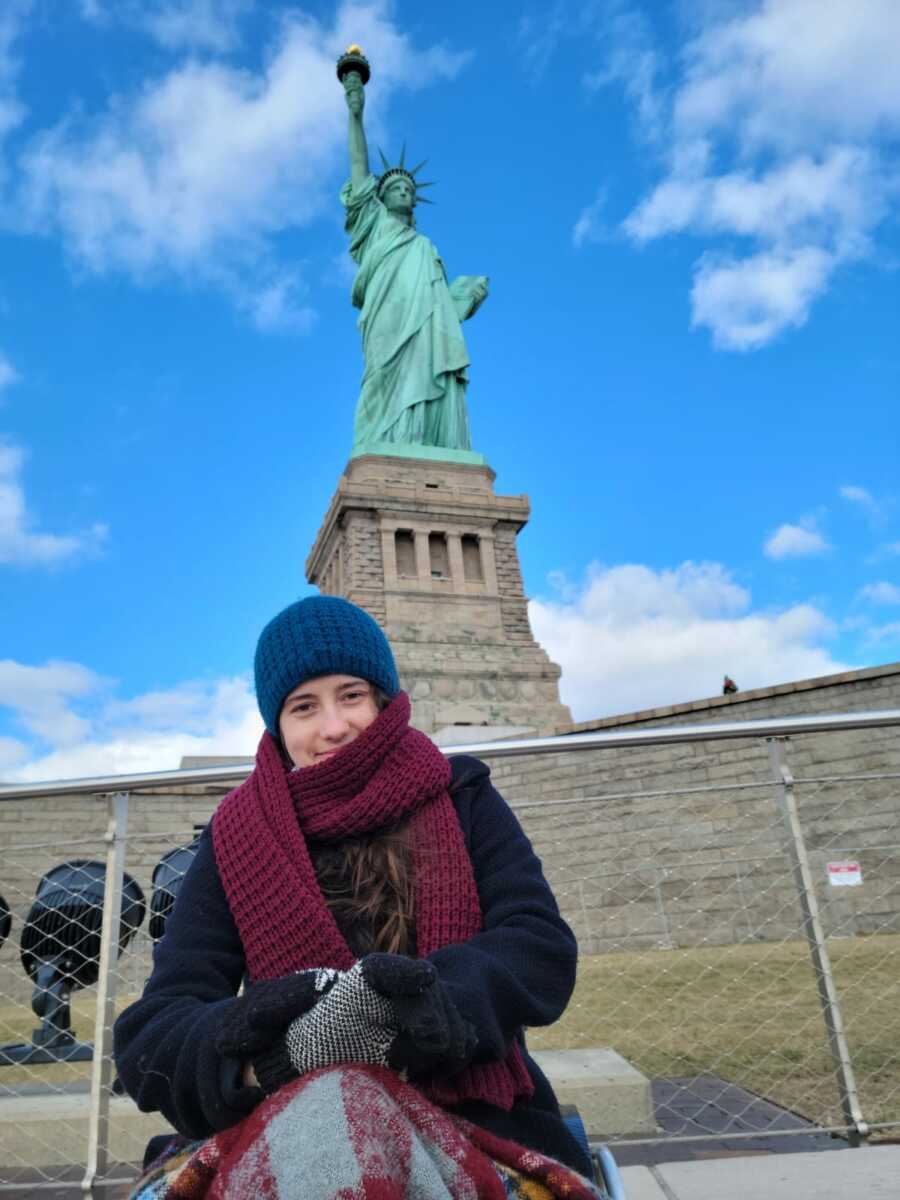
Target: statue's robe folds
x: 414, y: 385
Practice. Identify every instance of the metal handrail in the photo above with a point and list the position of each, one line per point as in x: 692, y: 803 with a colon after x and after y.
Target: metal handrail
x: 653, y: 736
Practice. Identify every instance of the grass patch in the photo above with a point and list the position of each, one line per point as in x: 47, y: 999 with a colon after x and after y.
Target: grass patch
x: 748, y: 1013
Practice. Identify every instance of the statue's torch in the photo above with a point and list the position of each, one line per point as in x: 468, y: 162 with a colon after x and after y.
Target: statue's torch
x: 353, y: 62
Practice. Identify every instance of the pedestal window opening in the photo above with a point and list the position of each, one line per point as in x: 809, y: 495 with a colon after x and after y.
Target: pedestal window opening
x: 405, y: 549
x: 473, y: 568
x: 438, y: 556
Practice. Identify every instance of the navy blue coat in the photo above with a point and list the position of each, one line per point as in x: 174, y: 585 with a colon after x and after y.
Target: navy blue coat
x: 518, y: 971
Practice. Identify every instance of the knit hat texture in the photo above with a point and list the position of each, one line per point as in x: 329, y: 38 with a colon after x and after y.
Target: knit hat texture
x: 320, y: 635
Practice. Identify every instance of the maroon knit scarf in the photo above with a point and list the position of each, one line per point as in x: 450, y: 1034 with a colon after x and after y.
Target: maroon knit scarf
x: 390, y: 772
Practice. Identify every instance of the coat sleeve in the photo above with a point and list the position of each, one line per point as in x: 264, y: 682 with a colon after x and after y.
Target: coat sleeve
x: 164, y: 1043
x: 520, y: 969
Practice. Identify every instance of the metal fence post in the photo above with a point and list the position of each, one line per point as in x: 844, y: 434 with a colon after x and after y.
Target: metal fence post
x: 101, y: 1067
x: 815, y: 936
x: 665, y: 942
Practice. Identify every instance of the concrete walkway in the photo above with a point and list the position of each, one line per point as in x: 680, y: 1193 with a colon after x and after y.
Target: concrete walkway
x: 868, y: 1173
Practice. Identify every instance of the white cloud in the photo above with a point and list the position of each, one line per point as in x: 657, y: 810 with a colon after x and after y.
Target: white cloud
x: 788, y: 72
x: 12, y: 753
x: 277, y: 304
x: 13, y: 14
x: 41, y: 698
x: 624, y: 52
x: 539, y: 33
x: 746, y: 302
x: 79, y: 729
x: 795, y: 541
x: 195, y: 24
x: 201, y: 168
x: 8, y: 373
x: 631, y: 637
x: 857, y: 495
x: 876, y: 509
x: 889, y: 633
x: 194, y: 707
x: 590, y: 227
x: 787, y: 201
x: 779, y: 152
x: 881, y: 593
x: 628, y: 57
x: 20, y: 544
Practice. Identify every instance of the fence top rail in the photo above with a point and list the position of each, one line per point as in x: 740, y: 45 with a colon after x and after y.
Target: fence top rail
x: 564, y: 743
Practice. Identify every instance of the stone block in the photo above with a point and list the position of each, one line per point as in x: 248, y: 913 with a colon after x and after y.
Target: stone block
x: 52, y: 1130
x: 609, y: 1093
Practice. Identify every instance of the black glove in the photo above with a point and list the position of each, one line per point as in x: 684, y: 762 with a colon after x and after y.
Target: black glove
x: 258, y: 1018
x: 432, y: 1032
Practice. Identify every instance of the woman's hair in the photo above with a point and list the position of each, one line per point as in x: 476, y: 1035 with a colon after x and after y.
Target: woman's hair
x: 368, y: 886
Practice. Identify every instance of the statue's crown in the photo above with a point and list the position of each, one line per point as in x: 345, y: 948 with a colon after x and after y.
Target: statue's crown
x: 400, y: 169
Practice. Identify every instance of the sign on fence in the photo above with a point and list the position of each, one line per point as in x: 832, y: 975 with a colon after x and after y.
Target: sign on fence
x: 844, y: 874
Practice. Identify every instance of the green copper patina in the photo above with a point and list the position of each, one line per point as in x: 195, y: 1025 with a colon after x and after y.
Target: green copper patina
x: 416, y: 365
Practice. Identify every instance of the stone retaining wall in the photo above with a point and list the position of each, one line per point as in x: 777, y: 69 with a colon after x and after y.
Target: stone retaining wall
x: 638, y: 864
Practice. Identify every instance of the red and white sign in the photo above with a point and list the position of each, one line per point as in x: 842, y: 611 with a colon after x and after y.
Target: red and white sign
x: 844, y: 874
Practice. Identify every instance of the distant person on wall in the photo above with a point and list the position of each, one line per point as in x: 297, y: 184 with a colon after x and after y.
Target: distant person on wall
x: 416, y: 362
x: 394, y: 933
x: 729, y: 687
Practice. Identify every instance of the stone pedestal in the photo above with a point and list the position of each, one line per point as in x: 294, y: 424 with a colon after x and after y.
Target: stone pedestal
x: 430, y: 551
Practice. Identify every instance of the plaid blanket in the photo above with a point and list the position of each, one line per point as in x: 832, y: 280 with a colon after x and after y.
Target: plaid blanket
x: 351, y: 1132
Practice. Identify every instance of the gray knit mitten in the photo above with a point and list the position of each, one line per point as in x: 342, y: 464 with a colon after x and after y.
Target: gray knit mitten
x: 351, y: 1023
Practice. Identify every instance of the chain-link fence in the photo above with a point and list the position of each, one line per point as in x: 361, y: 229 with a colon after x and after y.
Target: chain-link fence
x: 85, y: 909
x: 736, y: 900
x: 705, y: 949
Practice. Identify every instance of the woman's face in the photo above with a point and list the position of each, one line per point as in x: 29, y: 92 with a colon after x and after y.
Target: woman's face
x: 323, y: 715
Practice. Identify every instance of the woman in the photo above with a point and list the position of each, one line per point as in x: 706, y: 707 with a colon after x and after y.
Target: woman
x: 394, y: 934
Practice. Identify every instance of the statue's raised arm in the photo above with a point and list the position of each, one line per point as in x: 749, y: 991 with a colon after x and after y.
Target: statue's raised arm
x: 355, y: 95
x: 416, y: 363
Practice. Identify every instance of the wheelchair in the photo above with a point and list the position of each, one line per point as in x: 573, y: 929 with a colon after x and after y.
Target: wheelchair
x: 606, y: 1172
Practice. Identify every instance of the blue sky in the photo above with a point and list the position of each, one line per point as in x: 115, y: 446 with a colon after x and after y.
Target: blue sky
x: 689, y: 358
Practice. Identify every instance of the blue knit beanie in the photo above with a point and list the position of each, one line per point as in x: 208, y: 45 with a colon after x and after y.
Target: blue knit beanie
x: 321, y: 635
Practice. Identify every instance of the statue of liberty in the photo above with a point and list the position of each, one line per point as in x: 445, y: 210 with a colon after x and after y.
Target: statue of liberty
x: 416, y: 364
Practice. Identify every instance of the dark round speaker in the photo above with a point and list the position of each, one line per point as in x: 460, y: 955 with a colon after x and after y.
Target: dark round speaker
x: 63, y: 926
x: 5, y: 921
x: 167, y: 876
